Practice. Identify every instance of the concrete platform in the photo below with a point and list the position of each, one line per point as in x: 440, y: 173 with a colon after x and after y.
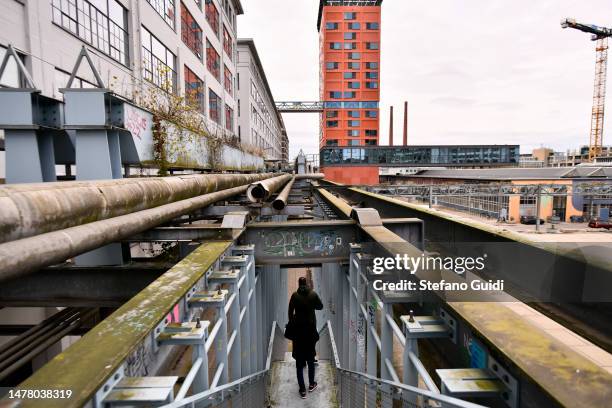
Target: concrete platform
x: 284, y: 391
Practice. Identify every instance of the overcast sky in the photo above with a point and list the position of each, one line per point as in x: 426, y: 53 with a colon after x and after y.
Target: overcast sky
x: 472, y: 71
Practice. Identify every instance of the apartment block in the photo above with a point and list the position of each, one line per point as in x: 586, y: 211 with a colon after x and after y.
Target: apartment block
x: 259, y: 122
x: 349, y: 34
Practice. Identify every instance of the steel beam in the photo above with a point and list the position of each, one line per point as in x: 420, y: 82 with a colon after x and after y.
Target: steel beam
x: 69, y: 285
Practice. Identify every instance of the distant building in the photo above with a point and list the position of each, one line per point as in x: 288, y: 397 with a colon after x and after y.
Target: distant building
x: 349, y: 33
x: 343, y: 162
x: 517, y: 206
x: 259, y: 122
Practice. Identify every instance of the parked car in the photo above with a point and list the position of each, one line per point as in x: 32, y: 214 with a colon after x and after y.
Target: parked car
x: 597, y: 223
x: 530, y: 220
x: 576, y: 218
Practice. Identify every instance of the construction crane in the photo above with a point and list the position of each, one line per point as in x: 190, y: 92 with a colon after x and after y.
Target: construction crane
x: 599, y: 34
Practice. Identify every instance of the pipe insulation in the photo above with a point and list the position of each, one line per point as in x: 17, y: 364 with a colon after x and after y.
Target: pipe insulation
x: 29, y: 254
x: 281, y: 201
x: 31, y: 209
x: 262, y: 190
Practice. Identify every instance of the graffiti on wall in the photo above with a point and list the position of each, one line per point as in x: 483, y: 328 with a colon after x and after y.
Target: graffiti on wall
x: 284, y: 243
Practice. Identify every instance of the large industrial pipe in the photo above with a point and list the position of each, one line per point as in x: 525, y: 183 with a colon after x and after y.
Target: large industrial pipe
x: 281, y: 201
x: 32, y: 209
x: 30, y: 254
x: 262, y: 190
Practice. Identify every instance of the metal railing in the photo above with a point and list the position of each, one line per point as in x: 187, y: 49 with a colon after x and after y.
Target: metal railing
x: 354, y: 390
x: 249, y: 391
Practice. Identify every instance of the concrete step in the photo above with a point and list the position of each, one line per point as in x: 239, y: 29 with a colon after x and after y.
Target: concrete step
x: 284, y: 391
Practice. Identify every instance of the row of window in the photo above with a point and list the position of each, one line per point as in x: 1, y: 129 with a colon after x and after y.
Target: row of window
x: 367, y: 142
x: 350, y: 94
x: 103, y: 25
x: 352, y: 26
x: 100, y: 23
x: 353, y: 75
x: 352, y: 114
x: 353, y: 132
x: 352, y: 45
x: 422, y: 155
x: 351, y: 65
x: 368, y: 85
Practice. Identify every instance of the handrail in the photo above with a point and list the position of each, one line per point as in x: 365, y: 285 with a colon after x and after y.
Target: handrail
x: 432, y: 394
x: 232, y: 385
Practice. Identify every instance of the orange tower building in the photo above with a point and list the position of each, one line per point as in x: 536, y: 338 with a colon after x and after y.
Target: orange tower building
x: 349, y: 33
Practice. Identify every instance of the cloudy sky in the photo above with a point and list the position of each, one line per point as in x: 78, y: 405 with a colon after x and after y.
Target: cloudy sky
x: 472, y: 71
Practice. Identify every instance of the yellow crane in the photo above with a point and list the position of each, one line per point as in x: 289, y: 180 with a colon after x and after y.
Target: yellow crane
x: 599, y: 34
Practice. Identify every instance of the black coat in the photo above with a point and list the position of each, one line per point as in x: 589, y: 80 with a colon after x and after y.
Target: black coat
x: 302, y: 308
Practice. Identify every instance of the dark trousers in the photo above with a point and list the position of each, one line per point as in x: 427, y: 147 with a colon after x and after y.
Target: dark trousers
x: 300, y: 364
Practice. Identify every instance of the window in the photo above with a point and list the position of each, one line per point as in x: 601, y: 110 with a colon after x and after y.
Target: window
x: 353, y: 114
x: 371, y: 75
x: 332, y: 123
x: 331, y: 26
x: 165, y: 8
x: 371, y: 65
x: 354, y: 55
x: 331, y: 65
x: 350, y: 75
x: 191, y: 32
x: 354, y: 123
x: 350, y: 46
x: 229, y: 118
x: 212, y: 16
x: 353, y: 142
x: 158, y: 62
x: 354, y: 26
x: 103, y: 27
x: 372, y: 85
x: 335, y: 94
x: 228, y: 44
x: 353, y: 85
x: 353, y: 65
x: 370, y: 142
x: 213, y: 61
x: 350, y: 36
x: 228, y: 80
x: 350, y: 95
x: 194, y: 90
x: 214, y: 106
x: 331, y: 114
x: 353, y: 133
x: 333, y: 142
x: 372, y: 26
x: 335, y: 46
x: 350, y: 16
x: 371, y: 114
x: 372, y: 45
x: 371, y: 132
